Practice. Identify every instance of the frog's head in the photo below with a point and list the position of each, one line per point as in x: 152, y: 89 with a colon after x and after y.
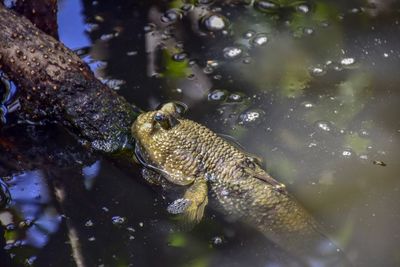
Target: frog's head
x: 151, y: 123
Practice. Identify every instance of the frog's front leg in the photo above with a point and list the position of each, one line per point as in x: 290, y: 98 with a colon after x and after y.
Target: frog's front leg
x: 191, y: 207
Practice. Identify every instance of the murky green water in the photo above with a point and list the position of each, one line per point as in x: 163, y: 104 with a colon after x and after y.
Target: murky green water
x: 311, y: 87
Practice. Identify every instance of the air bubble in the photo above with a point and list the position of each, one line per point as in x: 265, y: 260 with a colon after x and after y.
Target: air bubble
x: 235, y: 98
x: 171, y: 16
x: 324, y: 126
x: 182, y: 56
x: 317, y: 71
x: 249, y: 34
x: 217, y: 95
x: 266, y: 6
x: 217, y: 240
x: 347, y: 61
x: 260, y: 39
x: 347, y: 153
x: 303, y: 8
x: 214, y: 22
x: 232, y: 52
x: 118, y: 220
x: 251, y: 116
x: 205, y: 2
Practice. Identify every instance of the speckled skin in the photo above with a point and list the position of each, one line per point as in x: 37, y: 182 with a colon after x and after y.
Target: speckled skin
x: 187, y: 152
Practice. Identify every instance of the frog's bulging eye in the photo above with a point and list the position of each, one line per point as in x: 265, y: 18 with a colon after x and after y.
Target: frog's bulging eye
x: 159, y: 117
x: 166, y: 122
x: 175, y: 108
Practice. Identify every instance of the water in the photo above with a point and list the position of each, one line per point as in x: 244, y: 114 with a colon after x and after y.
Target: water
x: 320, y: 108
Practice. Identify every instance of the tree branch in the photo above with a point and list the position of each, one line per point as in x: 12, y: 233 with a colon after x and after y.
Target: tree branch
x: 55, y: 83
x: 42, y: 13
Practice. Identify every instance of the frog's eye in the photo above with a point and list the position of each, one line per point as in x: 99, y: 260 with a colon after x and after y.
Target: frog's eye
x: 166, y: 122
x: 159, y: 117
x: 175, y: 108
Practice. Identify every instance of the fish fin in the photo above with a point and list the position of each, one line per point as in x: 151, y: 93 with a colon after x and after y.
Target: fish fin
x: 177, y: 180
x: 268, y: 179
x: 191, y: 207
x: 239, y: 146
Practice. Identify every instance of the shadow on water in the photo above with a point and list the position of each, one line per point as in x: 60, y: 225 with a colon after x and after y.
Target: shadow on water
x: 309, y: 86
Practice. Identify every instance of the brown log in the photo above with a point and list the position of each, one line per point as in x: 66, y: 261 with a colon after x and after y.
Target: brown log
x: 56, y: 84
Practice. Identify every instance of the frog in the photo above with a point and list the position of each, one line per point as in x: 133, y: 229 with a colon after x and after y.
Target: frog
x: 208, y: 167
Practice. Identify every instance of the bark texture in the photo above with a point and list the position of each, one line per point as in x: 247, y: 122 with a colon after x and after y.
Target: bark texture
x: 56, y: 84
x: 42, y: 13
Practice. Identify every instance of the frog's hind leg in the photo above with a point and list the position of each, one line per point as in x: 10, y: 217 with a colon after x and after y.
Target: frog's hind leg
x: 191, y: 207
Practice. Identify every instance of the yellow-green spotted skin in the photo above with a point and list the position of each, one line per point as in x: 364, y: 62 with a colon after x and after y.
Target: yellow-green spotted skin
x: 188, y: 153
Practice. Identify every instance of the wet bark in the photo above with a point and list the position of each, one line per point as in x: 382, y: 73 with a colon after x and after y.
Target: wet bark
x: 55, y: 84
x: 42, y: 13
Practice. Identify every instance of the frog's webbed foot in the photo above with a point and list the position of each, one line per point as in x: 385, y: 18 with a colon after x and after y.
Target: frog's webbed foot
x: 191, y: 207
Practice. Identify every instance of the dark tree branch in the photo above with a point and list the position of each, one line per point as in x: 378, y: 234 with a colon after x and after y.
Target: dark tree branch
x: 55, y: 83
x: 42, y: 13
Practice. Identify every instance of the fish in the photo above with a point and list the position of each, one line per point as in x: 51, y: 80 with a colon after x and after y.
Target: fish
x: 210, y: 168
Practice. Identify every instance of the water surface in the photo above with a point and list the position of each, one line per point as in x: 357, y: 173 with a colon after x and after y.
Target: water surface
x: 311, y: 87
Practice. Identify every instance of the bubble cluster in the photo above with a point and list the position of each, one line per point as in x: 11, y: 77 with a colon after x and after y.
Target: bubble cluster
x: 118, y: 220
x: 324, y: 126
x: 251, y: 116
x: 232, y: 52
x: 347, y: 61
